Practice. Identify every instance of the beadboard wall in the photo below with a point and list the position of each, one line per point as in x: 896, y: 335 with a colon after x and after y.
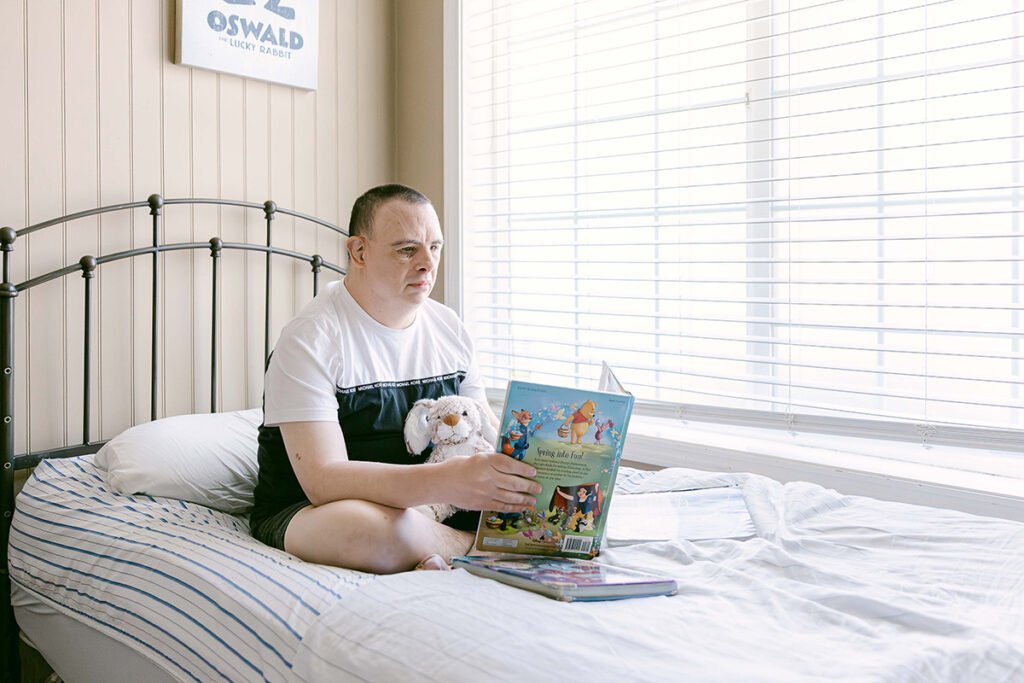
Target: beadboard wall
x: 95, y: 112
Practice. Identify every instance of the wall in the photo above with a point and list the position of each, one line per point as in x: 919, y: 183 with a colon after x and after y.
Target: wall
x: 95, y: 112
x: 419, y: 96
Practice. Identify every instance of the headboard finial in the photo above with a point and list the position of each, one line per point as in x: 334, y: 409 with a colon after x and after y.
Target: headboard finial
x: 156, y: 202
x: 7, y: 237
x: 88, y: 264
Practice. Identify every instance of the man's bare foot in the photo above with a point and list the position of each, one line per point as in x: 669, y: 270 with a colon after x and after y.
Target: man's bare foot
x: 433, y: 562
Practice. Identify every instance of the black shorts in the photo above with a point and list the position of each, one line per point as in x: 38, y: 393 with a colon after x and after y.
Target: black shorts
x: 270, y: 530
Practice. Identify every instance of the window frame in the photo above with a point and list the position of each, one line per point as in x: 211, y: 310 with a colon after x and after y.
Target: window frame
x: 658, y: 430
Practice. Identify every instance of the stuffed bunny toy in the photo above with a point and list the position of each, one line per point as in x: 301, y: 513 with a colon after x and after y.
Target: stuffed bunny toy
x: 456, y: 425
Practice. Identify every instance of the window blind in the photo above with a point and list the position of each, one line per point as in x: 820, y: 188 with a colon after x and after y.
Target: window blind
x: 795, y: 213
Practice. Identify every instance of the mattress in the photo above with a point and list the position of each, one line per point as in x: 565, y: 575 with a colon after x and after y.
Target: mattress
x: 75, y: 650
x: 830, y: 587
x: 182, y: 585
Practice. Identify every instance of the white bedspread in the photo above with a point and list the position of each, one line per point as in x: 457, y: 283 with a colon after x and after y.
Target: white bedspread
x: 833, y: 588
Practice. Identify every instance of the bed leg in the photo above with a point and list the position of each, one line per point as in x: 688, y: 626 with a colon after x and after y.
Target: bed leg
x: 10, y: 664
x: 10, y: 672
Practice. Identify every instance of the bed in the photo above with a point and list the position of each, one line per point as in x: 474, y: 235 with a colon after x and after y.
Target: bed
x: 131, y: 560
x: 831, y: 586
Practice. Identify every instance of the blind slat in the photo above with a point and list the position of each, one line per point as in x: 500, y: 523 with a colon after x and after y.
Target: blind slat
x: 576, y: 28
x: 769, y: 301
x: 875, y: 392
x: 753, y: 339
x: 778, y: 322
x: 573, y: 35
x: 605, y: 86
x: 596, y: 350
x: 510, y: 197
x: 787, y: 118
x: 1006, y: 439
x: 775, y: 261
x: 655, y: 212
x: 789, y: 203
x: 654, y: 61
x: 574, y: 122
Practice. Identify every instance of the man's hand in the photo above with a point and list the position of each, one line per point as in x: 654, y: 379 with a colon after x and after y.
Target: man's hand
x: 489, y: 481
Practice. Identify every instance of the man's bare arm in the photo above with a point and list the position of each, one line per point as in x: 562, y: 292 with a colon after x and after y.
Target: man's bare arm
x: 484, y: 481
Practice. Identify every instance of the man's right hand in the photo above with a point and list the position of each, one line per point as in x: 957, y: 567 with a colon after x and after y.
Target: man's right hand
x: 489, y: 481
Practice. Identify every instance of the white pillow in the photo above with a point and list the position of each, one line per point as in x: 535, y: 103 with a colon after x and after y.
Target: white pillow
x: 208, y: 459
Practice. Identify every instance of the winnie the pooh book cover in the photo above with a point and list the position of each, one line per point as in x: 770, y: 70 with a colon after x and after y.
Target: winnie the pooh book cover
x: 574, y: 438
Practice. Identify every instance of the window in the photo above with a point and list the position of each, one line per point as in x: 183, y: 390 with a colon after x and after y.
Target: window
x: 768, y: 212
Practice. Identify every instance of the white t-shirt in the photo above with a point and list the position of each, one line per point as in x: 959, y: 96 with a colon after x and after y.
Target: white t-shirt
x: 335, y: 363
x: 334, y: 349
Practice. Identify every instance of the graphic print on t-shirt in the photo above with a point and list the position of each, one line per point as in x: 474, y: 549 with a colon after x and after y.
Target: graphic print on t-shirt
x: 372, y: 416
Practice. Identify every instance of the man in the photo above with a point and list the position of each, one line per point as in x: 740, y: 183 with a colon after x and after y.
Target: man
x: 336, y: 483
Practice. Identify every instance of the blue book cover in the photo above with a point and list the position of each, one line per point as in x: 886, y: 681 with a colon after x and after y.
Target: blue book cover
x: 574, y: 439
x: 568, y: 579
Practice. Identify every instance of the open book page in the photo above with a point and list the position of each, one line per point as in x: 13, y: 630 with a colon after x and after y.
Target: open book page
x: 609, y: 382
x: 700, y: 514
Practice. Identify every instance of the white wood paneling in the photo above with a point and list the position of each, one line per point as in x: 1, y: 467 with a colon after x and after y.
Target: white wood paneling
x: 14, y: 179
x: 47, y: 175
x: 147, y: 163
x: 95, y: 113
x: 348, y: 113
x: 256, y: 127
x: 113, y: 335
x: 235, y: 294
x: 375, y: 163
x: 325, y: 138
x: 205, y: 224
x: 81, y: 191
x: 178, y: 273
x: 281, y: 154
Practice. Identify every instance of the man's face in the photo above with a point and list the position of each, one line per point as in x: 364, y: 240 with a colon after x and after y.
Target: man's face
x: 401, y: 253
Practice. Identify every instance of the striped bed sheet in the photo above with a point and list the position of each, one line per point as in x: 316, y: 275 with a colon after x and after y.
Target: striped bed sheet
x: 179, y: 583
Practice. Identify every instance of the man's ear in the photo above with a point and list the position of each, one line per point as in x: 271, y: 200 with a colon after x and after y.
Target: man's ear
x: 417, y: 430
x: 356, y: 246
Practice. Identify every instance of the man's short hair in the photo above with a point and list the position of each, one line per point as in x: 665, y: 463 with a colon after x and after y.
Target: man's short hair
x: 365, y: 208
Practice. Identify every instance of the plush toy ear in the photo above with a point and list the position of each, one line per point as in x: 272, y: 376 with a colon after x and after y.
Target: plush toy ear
x: 487, y: 430
x: 417, y: 431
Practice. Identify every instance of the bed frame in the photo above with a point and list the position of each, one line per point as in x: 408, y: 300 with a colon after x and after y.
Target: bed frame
x: 87, y: 266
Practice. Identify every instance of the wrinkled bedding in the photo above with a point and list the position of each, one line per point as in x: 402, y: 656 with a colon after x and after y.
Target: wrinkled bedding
x: 833, y: 587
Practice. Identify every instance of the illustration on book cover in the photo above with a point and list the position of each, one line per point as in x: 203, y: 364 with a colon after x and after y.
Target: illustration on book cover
x: 573, y: 437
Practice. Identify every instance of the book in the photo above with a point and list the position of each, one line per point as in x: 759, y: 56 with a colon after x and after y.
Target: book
x: 573, y: 438
x: 713, y: 512
x: 568, y: 579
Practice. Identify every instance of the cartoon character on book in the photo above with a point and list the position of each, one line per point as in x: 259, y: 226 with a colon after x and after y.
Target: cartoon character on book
x: 578, y: 424
x: 580, y: 506
x: 516, y: 438
x: 600, y: 427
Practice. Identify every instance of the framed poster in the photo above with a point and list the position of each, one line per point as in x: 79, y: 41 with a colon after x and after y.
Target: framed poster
x: 271, y: 40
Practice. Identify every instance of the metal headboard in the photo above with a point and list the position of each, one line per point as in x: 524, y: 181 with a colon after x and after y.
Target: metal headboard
x: 87, y: 266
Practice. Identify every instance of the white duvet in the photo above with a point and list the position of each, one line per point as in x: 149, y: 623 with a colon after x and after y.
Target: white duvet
x: 833, y: 588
